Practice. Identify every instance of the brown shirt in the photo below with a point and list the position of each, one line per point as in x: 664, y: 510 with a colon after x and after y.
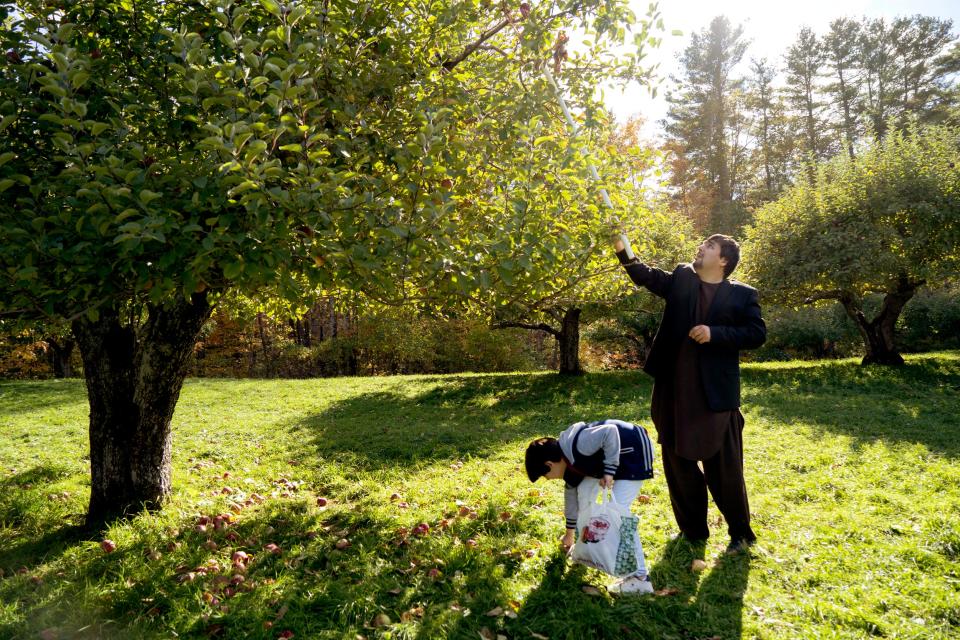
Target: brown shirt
x: 679, y: 407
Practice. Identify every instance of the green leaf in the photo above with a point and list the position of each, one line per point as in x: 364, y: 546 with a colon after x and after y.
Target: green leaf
x: 271, y: 6
x: 5, y: 184
x: 6, y: 157
x: 147, y: 196
x: 97, y: 128
x: 232, y: 269
x: 79, y: 78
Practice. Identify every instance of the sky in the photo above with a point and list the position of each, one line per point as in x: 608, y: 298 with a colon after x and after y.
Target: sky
x: 770, y: 26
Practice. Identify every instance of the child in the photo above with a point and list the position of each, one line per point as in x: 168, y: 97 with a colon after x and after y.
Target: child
x: 587, y: 455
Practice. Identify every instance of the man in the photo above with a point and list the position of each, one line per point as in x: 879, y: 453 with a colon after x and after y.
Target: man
x: 695, y: 363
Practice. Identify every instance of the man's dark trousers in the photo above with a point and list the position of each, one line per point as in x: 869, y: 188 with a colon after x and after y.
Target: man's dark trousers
x: 723, y: 475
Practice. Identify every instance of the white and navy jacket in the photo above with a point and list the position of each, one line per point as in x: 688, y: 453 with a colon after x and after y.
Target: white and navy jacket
x: 615, y: 447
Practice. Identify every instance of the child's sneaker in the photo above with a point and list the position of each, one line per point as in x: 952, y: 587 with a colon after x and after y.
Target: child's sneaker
x: 632, y: 584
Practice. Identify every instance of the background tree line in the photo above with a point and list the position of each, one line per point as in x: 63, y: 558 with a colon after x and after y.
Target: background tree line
x: 740, y: 130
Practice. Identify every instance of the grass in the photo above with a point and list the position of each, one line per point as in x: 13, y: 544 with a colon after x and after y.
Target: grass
x: 853, y: 474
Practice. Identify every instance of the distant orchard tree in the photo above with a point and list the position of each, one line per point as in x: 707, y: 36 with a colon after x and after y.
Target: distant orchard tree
x: 887, y: 222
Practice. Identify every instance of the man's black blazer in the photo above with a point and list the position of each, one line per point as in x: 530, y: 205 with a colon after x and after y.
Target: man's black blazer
x: 734, y: 320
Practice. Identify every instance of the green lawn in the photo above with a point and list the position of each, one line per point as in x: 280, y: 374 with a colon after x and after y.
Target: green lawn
x: 853, y: 473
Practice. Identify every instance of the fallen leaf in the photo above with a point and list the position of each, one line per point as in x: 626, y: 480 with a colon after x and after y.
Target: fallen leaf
x: 538, y: 636
x: 486, y: 634
x: 591, y: 591
x: 669, y: 591
x: 698, y: 566
x: 495, y: 612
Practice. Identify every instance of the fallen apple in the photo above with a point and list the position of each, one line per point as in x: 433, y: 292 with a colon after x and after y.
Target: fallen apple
x: 108, y: 546
x: 342, y: 544
x: 321, y: 502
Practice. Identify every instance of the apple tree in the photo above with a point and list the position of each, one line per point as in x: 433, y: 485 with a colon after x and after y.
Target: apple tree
x: 156, y: 155
x: 885, y: 222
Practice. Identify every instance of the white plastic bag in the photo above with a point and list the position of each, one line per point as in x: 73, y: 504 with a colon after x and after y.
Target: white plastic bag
x: 598, y: 533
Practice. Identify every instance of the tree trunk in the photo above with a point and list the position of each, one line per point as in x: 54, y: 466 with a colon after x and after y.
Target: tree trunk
x: 879, y: 334
x: 300, y: 331
x: 60, y: 353
x: 133, y: 378
x: 568, y: 342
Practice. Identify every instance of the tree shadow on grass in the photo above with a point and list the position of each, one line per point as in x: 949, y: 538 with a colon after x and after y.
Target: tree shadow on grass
x: 166, y: 579
x: 915, y: 403
x: 25, y: 503
x: 19, y: 396
x: 560, y: 608
x: 468, y: 415
x: 461, y: 416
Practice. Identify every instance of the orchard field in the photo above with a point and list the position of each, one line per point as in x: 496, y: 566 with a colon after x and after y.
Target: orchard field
x: 398, y: 508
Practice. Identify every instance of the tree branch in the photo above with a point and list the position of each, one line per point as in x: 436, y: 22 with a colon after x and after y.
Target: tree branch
x: 486, y: 35
x: 833, y: 294
x: 526, y: 325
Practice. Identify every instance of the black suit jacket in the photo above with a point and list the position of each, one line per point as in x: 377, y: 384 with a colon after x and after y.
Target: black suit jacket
x: 734, y: 320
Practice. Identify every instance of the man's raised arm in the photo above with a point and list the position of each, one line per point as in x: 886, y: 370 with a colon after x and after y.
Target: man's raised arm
x: 656, y: 280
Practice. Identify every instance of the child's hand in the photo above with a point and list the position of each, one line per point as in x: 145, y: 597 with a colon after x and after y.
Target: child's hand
x: 568, y: 539
x: 606, y: 481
